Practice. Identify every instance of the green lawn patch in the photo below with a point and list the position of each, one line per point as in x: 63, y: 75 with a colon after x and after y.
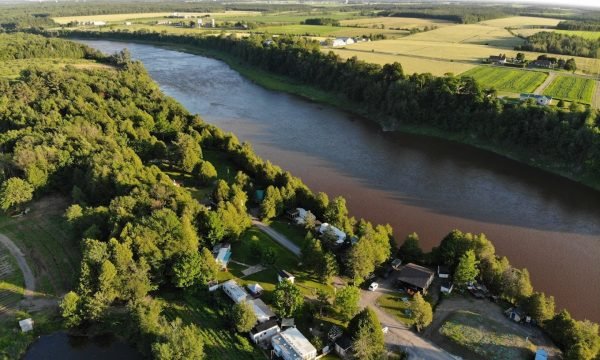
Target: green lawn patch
x: 486, y: 337
x: 296, y: 233
x: 504, y: 79
x: 572, y: 88
x: 226, y: 169
x: 11, y: 280
x: 393, y: 304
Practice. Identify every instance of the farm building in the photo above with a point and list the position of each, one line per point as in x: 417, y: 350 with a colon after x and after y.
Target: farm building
x: 284, y: 275
x: 415, y: 278
x: 547, y: 64
x: 292, y: 345
x: 327, y: 228
x: 497, y: 59
x: 262, y: 311
x: 539, y: 99
x: 443, y: 271
x: 234, y: 291
x: 98, y: 23
x: 343, y: 41
x: 343, y: 347
x: 222, y: 254
x: 263, y: 332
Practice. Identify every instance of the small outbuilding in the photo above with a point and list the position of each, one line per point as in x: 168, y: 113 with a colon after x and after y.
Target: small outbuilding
x: 396, y: 264
x: 284, y: 275
x: 515, y: 314
x: 263, y: 332
x: 541, y: 354
x: 443, y: 271
x: 446, y: 286
x: 255, y: 289
x: 26, y: 325
x: 343, y: 347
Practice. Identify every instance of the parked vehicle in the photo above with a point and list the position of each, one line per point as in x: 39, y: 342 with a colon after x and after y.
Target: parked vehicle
x: 373, y: 286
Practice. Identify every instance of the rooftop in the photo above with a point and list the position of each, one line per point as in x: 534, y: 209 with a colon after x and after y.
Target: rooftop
x: 294, y: 344
x: 260, y: 327
x: 235, y: 292
x: 261, y: 309
x: 344, y: 342
x: 284, y: 274
x: 415, y: 275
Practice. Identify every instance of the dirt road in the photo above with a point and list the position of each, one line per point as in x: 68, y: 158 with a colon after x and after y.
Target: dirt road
x: 399, y: 335
x: 280, y: 238
x: 25, y: 269
x: 540, y: 89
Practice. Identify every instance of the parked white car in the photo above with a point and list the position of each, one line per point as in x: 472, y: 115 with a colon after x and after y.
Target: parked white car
x: 373, y: 286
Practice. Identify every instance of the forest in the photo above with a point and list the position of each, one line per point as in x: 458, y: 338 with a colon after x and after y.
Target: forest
x: 581, y: 25
x: 557, y: 43
x: 112, y: 134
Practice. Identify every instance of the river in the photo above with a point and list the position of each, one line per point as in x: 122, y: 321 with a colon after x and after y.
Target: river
x: 543, y: 222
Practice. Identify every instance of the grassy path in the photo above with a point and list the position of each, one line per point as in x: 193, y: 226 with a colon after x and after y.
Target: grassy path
x: 540, y: 89
x: 596, y: 98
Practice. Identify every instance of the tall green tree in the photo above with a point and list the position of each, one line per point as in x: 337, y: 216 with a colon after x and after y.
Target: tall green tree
x: 410, y: 250
x: 179, y: 342
x: 243, y: 317
x: 367, y: 335
x: 466, y: 271
x: 287, y: 299
x: 188, y: 152
x: 346, y: 301
x: 422, y: 313
x: 14, y: 192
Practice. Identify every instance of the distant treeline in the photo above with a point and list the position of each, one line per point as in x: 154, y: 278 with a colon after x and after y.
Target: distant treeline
x: 322, y: 21
x: 557, y: 43
x: 579, y: 25
x: 25, y: 46
x: 451, y: 104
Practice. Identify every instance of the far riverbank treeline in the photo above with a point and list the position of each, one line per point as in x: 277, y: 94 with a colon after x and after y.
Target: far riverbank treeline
x: 564, y: 141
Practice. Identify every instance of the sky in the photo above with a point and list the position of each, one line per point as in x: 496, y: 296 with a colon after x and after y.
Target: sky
x: 572, y: 3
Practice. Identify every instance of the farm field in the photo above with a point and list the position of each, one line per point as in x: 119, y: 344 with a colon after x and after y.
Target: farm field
x: 572, y: 89
x: 469, y: 34
x: 521, y: 21
x: 485, y: 337
x: 449, y: 51
x: 46, y: 239
x: 410, y: 64
x: 322, y: 30
x: 395, y: 22
x: 591, y: 35
x: 132, y: 16
x: 506, y: 79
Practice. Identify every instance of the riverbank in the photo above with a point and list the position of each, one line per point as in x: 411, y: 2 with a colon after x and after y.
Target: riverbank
x: 284, y: 84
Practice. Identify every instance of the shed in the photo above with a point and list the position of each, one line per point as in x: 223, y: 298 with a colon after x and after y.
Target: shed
x: 443, y: 271
x: 259, y: 196
x: 26, y: 325
x: 255, y: 289
x: 515, y: 314
x: 343, y: 346
x: 284, y: 275
x: 396, y: 263
x: 446, y: 286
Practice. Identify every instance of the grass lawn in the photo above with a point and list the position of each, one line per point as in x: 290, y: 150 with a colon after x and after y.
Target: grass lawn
x: 505, y: 79
x: 572, y: 88
x: 14, y: 343
x: 393, y: 304
x: 11, y: 281
x: 51, y: 248
x: 296, y: 233
x: 485, y: 337
x: 226, y: 169
x: 220, y: 342
x: 590, y: 35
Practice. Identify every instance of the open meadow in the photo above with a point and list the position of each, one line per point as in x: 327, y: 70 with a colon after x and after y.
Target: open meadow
x: 389, y: 22
x: 486, y: 337
x: 572, y: 89
x: 590, y: 35
x: 133, y: 16
x: 506, y: 79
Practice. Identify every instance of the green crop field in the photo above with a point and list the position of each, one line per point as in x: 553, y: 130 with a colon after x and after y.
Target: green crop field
x: 572, y: 89
x: 591, y: 35
x: 504, y: 79
x: 485, y: 337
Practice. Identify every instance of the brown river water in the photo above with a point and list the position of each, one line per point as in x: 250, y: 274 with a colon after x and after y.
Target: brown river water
x: 543, y: 222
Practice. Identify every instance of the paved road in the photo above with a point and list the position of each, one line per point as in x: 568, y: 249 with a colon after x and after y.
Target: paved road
x: 25, y: 269
x: 277, y: 236
x: 398, y: 333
